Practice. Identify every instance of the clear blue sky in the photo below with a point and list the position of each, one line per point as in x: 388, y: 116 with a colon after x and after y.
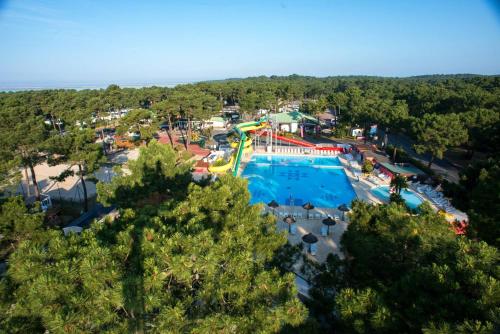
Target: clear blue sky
x: 103, y: 41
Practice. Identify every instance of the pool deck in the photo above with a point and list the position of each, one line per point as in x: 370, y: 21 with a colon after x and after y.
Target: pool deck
x: 362, y: 187
x: 326, y: 244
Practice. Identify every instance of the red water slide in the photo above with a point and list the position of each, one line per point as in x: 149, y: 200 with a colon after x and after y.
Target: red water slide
x: 302, y: 143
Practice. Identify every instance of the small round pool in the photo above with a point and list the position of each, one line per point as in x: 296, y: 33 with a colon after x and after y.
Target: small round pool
x: 411, y: 199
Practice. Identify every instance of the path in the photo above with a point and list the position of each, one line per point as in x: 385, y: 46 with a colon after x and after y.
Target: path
x: 440, y: 166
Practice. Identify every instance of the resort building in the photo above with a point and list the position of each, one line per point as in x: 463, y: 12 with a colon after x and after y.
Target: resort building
x: 328, y: 117
x: 290, y: 121
x: 404, y: 169
x: 292, y: 106
x: 357, y: 132
x: 216, y: 122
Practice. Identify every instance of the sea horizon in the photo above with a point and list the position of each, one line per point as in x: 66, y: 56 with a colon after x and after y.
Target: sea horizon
x: 18, y: 87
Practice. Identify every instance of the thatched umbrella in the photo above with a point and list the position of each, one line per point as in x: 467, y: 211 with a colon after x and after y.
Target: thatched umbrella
x: 289, y: 220
x: 308, y: 206
x: 310, y: 239
x: 273, y: 204
x: 344, y: 209
x: 329, y: 221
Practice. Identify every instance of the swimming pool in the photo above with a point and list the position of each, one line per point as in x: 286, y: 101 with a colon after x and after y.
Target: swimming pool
x: 411, y: 199
x: 295, y: 180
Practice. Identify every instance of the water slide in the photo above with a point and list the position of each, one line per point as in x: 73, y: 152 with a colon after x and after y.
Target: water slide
x: 302, y: 143
x: 244, y: 146
x: 241, y: 130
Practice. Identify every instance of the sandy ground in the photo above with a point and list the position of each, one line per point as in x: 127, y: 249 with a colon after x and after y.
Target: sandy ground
x: 71, y: 188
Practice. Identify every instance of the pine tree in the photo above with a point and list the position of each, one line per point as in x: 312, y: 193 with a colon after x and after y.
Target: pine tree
x: 197, y: 260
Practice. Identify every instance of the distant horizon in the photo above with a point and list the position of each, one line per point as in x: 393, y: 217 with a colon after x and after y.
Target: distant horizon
x: 49, y: 85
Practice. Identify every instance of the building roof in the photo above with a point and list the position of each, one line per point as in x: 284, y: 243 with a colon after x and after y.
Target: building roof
x: 327, y: 114
x: 363, y: 147
x: 403, y: 169
x: 291, y: 117
x: 377, y: 156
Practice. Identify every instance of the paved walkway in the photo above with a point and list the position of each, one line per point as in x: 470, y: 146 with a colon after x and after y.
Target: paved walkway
x: 326, y: 244
x: 440, y: 166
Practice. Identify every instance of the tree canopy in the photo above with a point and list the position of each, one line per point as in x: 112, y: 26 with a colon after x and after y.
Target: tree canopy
x: 196, y: 261
x: 408, y: 273
x: 436, y: 133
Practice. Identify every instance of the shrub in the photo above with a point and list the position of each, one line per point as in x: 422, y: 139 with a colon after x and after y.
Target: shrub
x: 219, y: 162
x: 367, y: 167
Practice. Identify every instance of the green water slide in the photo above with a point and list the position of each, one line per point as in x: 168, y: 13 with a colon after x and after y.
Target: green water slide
x: 241, y: 130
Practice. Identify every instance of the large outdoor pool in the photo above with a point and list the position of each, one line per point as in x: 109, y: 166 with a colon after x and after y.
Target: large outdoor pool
x: 291, y: 180
x: 411, y: 199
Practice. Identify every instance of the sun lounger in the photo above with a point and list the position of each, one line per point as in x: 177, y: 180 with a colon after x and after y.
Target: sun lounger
x: 313, y: 248
x: 324, y: 231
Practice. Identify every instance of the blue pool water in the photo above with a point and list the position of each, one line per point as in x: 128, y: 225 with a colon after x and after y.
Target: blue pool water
x: 296, y: 180
x: 411, y: 199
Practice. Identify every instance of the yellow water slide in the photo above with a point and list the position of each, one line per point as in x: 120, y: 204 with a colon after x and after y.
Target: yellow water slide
x: 244, y: 146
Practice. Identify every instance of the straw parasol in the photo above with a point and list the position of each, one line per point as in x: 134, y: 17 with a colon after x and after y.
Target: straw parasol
x: 308, y: 206
x: 344, y: 209
x: 273, y: 204
x: 310, y: 239
x: 289, y: 220
x: 329, y: 221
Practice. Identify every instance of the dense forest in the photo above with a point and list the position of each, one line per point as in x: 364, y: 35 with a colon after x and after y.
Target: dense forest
x: 177, y: 261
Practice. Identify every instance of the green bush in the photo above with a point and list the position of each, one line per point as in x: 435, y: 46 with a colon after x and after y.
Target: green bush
x: 367, y: 167
x: 219, y: 162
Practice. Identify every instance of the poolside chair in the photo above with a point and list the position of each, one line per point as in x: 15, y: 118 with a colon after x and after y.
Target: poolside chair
x: 324, y: 231
x: 336, y: 217
x: 313, y: 249
x: 318, y: 215
x: 300, y: 215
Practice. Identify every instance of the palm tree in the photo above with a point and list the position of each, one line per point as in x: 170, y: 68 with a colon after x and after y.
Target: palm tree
x: 399, y: 183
